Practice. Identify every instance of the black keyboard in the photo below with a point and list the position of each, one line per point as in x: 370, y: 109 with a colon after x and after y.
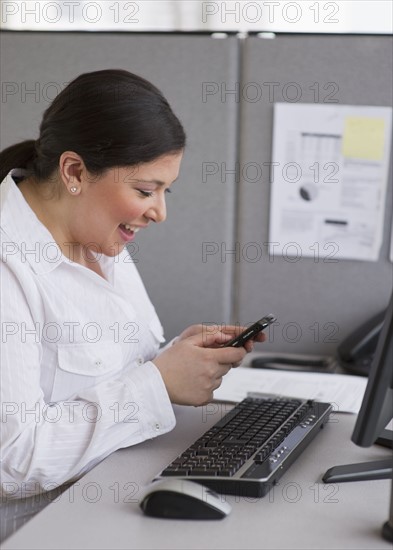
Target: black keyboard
x: 250, y: 448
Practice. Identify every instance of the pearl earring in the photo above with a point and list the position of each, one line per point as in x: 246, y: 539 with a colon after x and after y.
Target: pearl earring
x: 73, y: 189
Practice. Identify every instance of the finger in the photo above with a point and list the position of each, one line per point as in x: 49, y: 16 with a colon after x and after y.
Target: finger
x: 208, y: 340
x: 210, y: 331
x: 260, y: 337
x: 249, y: 346
x: 234, y: 330
x: 228, y: 356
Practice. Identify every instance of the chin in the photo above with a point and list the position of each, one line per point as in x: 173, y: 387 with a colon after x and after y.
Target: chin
x: 113, y: 249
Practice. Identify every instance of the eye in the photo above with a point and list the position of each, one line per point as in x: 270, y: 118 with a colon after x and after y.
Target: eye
x: 151, y: 193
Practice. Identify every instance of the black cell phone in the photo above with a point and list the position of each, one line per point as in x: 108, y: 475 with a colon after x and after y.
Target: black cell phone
x: 250, y: 332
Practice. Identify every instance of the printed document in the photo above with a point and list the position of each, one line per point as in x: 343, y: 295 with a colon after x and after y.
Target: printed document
x: 344, y: 391
x: 328, y: 180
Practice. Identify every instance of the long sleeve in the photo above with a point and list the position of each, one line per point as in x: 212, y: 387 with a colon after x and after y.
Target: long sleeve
x: 46, y: 443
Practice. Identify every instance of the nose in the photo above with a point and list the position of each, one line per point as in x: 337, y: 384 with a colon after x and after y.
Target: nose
x: 157, y: 212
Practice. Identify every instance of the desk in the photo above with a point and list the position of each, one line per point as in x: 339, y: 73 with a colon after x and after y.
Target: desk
x: 101, y: 510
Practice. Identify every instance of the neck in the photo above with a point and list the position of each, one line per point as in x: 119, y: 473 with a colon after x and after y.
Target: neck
x: 51, y: 211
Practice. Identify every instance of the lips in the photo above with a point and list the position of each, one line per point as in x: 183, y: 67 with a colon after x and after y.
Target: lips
x: 127, y: 234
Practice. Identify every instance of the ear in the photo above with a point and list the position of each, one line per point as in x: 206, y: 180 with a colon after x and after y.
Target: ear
x: 72, y: 170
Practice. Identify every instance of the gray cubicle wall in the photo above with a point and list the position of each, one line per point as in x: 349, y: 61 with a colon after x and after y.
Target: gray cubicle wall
x: 317, y: 303
x: 183, y: 289
x: 204, y: 78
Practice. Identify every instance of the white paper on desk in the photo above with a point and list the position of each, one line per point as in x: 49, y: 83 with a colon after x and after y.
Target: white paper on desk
x: 329, y: 179
x: 344, y: 391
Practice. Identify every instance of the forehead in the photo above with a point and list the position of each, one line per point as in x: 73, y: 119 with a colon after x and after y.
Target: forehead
x: 162, y: 171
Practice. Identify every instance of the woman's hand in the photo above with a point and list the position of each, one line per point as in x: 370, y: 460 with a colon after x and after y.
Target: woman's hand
x: 194, y: 366
x: 231, y: 330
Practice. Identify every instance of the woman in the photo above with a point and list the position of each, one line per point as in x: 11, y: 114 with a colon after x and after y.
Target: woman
x: 82, y: 373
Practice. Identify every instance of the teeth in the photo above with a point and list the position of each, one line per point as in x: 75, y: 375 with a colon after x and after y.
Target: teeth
x: 131, y: 228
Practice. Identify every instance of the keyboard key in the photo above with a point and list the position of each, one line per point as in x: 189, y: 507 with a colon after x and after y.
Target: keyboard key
x: 175, y: 472
x: 251, y: 434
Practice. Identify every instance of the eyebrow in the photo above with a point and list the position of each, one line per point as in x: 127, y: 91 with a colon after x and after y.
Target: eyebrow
x: 157, y: 182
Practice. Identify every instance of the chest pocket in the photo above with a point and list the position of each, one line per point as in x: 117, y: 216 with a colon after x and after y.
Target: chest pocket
x: 80, y: 366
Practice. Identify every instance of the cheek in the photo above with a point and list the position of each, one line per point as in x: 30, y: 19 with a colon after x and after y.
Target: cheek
x: 127, y: 210
x: 112, y: 207
x: 132, y: 206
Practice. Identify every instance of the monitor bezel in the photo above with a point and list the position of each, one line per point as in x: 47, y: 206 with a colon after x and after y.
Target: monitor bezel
x: 376, y: 410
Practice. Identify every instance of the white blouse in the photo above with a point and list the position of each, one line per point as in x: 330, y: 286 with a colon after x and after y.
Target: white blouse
x: 77, y: 381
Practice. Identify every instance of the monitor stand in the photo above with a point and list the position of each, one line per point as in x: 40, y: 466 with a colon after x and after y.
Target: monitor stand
x: 377, y: 469
x: 387, y: 528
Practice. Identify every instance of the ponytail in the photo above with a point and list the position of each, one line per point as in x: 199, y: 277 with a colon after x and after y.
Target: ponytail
x: 20, y: 155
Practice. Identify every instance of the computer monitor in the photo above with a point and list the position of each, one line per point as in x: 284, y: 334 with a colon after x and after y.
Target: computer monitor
x: 375, y: 413
x: 377, y: 406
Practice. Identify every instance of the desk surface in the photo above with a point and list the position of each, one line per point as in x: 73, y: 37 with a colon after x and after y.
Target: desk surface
x: 101, y: 510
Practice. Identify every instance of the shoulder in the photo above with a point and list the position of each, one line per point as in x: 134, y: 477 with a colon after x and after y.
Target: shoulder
x: 6, y: 187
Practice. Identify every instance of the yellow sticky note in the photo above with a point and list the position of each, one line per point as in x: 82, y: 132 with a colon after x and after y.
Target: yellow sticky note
x: 364, y: 138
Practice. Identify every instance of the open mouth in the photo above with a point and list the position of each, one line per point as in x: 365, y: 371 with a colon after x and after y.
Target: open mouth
x: 127, y: 231
x: 127, y: 228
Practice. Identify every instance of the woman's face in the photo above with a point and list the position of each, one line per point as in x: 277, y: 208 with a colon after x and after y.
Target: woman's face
x: 111, y: 208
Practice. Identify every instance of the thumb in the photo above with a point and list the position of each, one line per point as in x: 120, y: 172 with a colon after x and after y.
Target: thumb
x: 209, y: 339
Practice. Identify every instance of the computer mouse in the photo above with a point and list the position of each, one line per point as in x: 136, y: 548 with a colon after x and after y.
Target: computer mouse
x: 183, y: 499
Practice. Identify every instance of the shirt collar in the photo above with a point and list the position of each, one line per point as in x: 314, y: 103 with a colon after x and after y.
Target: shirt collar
x: 25, y: 234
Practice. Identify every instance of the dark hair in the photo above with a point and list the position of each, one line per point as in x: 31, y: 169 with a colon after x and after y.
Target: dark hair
x: 110, y: 118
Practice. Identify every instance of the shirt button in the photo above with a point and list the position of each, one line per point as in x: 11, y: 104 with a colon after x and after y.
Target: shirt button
x: 140, y: 360
x: 98, y: 363
x: 157, y: 427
